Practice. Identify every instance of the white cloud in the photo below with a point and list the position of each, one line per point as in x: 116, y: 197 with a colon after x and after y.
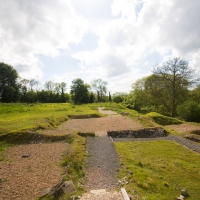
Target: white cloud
x: 161, y: 26
x: 136, y: 30
x: 30, y: 28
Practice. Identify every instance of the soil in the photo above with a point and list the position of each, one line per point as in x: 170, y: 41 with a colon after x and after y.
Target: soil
x: 100, y: 126
x: 108, y: 195
x: 25, y: 178
x: 183, y: 128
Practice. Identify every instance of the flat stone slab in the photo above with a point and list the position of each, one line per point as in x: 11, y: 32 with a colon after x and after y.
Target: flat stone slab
x: 98, y: 191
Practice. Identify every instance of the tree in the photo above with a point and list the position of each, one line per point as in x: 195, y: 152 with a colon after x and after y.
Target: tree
x: 33, y: 83
x: 118, y: 97
x: 109, y: 97
x: 79, y: 91
x: 137, y: 98
x: 100, y: 87
x: 50, y: 86
x: 178, y: 77
x: 194, y: 94
x: 8, y: 83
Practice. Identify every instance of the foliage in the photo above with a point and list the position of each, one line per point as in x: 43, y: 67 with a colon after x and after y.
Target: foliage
x: 8, y: 83
x: 190, y: 111
x: 119, y: 97
x: 79, y: 91
x: 194, y: 95
x: 159, y: 169
x: 178, y: 77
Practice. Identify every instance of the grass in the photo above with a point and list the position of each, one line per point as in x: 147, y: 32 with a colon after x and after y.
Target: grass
x: 160, y: 169
x: 19, y: 117
x: 3, y: 146
x: 163, y: 120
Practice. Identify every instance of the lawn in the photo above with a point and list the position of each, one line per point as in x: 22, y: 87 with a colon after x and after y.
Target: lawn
x: 159, y: 169
x: 19, y: 117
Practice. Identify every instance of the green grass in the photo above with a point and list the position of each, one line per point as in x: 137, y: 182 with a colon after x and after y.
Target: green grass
x: 160, y: 169
x: 19, y: 117
x: 163, y: 120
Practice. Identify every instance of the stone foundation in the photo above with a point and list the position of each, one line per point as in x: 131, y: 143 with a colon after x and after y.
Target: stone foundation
x: 142, y: 133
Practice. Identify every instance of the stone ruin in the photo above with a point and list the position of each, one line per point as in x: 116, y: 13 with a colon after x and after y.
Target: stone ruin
x: 141, y: 133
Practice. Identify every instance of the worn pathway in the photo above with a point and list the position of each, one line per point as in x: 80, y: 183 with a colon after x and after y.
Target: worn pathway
x: 102, y: 163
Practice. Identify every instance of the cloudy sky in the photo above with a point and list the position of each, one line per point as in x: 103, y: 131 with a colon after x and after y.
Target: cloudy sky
x: 117, y: 41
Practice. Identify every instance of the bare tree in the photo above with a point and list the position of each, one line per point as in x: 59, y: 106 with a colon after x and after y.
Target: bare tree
x: 100, y: 87
x: 33, y: 83
x: 49, y: 85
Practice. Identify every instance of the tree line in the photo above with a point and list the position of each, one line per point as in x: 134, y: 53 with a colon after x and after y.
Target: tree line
x: 172, y: 89
x: 15, y: 89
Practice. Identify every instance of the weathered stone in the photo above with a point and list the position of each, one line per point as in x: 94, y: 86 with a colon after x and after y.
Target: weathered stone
x: 68, y: 187
x: 179, y: 198
x: 130, y: 172
x: 26, y: 155
x: 62, y: 187
x: 184, y: 192
x: 45, y: 192
x: 142, y: 133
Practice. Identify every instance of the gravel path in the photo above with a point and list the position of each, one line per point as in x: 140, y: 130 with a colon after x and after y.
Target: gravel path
x: 186, y: 143
x: 104, y: 196
x: 25, y: 178
x: 102, y: 164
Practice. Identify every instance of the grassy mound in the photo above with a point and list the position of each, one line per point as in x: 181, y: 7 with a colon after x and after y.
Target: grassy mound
x: 163, y: 120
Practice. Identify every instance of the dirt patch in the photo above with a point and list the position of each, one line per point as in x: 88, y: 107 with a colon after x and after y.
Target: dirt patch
x: 25, y: 178
x: 106, y: 112
x: 100, y: 125
x: 102, y: 196
x: 183, y: 128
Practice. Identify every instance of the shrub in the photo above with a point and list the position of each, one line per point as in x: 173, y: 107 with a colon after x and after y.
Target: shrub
x: 190, y: 111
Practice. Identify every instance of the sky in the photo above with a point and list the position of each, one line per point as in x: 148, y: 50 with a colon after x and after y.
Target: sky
x: 117, y: 41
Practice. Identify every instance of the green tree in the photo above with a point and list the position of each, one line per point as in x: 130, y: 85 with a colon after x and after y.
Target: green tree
x: 9, y: 88
x: 190, y: 111
x: 137, y: 98
x: 79, y: 91
x: 92, y: 97
x: 194, y: 94
x: 177, y: 76
x: 119, y: 97
x: 109, y: 97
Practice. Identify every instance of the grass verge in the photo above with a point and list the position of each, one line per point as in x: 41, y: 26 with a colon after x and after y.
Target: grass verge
x: 20, y: 117
x: 159, y: 169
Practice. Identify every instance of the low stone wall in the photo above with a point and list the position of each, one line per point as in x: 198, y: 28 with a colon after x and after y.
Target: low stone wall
x: 84, y: 116
x: 142, y: 133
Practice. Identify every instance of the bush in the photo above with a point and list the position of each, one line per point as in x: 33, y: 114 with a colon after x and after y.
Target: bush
x: 190, y: 111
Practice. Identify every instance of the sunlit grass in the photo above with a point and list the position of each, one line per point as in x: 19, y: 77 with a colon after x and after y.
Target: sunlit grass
x: 17, y: 117
x: 160, y: 169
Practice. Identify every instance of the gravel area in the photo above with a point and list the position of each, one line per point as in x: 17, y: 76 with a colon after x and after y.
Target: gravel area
x: 102, y: 164
x: 100, y: 125
x: 184, y: 128
x: 106, y: 112
x: 184, y: 142
x: 104, y: 196
x: 25, y: 178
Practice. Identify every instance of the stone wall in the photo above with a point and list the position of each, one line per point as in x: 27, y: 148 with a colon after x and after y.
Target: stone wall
x: 142, y: 133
